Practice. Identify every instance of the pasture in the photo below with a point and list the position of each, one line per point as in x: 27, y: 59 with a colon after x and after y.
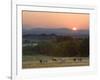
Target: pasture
x: 42, y: 61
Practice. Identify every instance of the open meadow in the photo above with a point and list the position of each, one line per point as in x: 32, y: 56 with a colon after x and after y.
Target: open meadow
x: 47, y: 61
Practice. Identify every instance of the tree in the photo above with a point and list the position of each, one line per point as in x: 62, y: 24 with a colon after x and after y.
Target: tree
x: 84, y: 47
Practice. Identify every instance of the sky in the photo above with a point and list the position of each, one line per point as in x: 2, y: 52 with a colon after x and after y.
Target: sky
x: 55, y: 20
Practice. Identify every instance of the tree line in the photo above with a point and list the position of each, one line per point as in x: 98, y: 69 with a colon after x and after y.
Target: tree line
x: 62, y: 46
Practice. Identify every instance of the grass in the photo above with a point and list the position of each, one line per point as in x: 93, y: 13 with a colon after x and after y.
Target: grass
x: 34, y: 61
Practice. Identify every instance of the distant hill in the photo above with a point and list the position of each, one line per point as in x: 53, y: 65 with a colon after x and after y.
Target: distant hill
x: 56, y: 31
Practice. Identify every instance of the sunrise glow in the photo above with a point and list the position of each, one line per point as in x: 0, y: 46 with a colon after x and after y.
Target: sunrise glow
x: 55, y: 20
x: 74, y: 29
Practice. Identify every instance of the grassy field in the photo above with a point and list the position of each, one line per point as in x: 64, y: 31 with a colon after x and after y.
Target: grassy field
x: 41, y: 61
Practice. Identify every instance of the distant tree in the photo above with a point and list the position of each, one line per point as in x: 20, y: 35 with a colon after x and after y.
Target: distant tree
x: 43, y: 34
x: 84, y: 47
x: 63, y: 38
x: 26, y: 41
x: 53, y: 34
x: 64, y: 46
x: 28, y: 50
x: 45, y: 48
x: 70, y: 49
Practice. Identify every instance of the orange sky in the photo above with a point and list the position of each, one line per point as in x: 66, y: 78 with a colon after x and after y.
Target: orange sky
x: 55, y: 20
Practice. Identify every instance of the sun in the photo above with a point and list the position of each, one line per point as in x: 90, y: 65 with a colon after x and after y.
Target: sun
x: 74, y: 29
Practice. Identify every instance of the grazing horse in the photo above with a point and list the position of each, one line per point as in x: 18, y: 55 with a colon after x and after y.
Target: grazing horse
x: 77, y: 59
x: 54, y: 59
x: 40, y: 61
x: 74, y: 59
x: 62, y: 60
x: 80, y: 59
x: 43, y: 61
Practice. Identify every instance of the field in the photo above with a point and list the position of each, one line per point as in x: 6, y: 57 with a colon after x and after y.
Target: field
x: 54, y: 51
x: 39, y: 61
x: 55, y: 39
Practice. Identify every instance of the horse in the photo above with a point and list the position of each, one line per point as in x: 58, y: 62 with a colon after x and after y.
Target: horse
x: 74, y: 59
x: 43, y: 61
x: 80, y: 59
x: 61, y: 60
x: 77, y: 59
x: 54, y: 59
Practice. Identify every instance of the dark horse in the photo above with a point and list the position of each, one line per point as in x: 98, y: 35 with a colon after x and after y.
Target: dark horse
x: 43, y: 61
x: 77, y: 59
